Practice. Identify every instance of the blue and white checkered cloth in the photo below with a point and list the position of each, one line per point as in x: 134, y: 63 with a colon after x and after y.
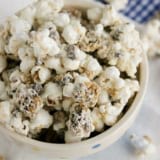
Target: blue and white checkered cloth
x: 141, y: 11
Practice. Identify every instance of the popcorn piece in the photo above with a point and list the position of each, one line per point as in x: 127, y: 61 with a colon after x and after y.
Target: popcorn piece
x: 59, y: 119
x: 3, y: 63
x: 91, y: 67
x: 42, y: 120
x: 94, y: 14
x: 66, y: 104
x: 81, y: 79
x: 70, y: 35
x: 53, y: 33
x: 5, y: 111
x: 72, y: 58
x: 125, y: 93
x: 108, y: 51
x: 25, y: 51
x: 143, y: 145
x: 110, y: 113
x: 28, y: 101
x: 64, y: 79
x: 90, y: 42
x: 46, y: 9
x: 15, y: 42
x: 54, y: 63
x: 61, y: 20
x: 73, y: 32
x: 74, y: 53
x: 53, y: 95
x: 69, y: 64
x: 28, y: 14
x: 18, y: 26
x: 99, y: 30
x: 27, y: 64
x: 103, y: 97
x: 15, y: 78
x: 43, y: 45
x: 86, y: 93
x: 79, y: 124
x: 80, y: 55
x: 40, y: 74
x: 109, y: 16
x: 68, y: 90
x: 38, y: 88
x: 97, y: 120
x: 18, y: 124
x: 111, y: 73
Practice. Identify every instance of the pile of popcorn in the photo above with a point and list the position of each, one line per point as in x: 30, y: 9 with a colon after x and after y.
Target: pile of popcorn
x: 66, y: 71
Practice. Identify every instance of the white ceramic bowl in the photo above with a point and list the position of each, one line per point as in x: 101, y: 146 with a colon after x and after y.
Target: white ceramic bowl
x: 26, y: 148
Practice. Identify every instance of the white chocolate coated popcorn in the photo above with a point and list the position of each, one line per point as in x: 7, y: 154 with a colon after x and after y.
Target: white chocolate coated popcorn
x: 79, y: 124
x: 43, y: 45
x: 40, y: 74
x: 18, y: 25
x: 61, y: 20
x: 109, y: 16
x: 52, y: 95
x: 97, y: 120
x: 45, y: 10
x: 73, y: 32
x: 28, y: 101
x: 66, y: 74
x: 18, y: 124
x: 27, y: 64
x: 143, y: 146
x: 42, y: 120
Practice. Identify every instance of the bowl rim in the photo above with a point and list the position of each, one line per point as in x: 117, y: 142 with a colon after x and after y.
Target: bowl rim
x: 144, y: 74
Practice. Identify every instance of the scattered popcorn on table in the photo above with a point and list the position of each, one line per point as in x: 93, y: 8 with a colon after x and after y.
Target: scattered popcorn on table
x: 143, y: 145
x: 151, y: 37
x: 65, y: 71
